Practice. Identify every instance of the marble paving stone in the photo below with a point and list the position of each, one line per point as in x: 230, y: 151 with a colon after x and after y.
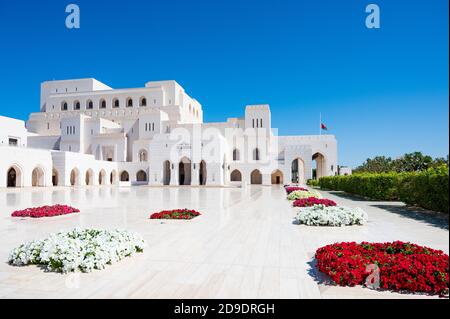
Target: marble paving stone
x: 245, y: 244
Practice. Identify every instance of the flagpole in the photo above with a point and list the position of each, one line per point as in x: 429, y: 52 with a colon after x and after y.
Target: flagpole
x: 320, y: 124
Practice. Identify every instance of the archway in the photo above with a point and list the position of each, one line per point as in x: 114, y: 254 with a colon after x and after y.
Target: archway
x: 319, y: 165
x: 166, y: 173
x: 113, y: 177
x: 89, y: 177
x: 14, y: 177
x: 141, y: 176
x: 102, y: 177
x: 74, y: 177
x: 184, y: 171
x: 256, y: 177
x: 124, y: 176
x: 202, y: 173
x: 37, y: 177
x: 236, y: 176
x: 55, y: 177
x: 298, y: 171
x: 277, y: 177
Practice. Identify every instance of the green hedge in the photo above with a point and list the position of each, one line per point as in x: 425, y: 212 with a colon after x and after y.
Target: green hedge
x: 427, y: 189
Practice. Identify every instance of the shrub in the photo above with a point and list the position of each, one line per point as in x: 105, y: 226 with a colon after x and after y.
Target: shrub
x: 401, y: 266
x: 303, y: 194
x: 312, y: 182
x: 320, y: 215
x: 427, y: 189
x: 175, y: 214
x: 311, y: 201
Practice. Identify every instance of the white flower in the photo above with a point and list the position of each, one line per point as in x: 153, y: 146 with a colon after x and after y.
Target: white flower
x: 78, y: 249
x: 320, y: 215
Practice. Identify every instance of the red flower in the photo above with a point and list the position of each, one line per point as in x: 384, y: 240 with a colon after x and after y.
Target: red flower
x: 45, y: 211
x: 175, y: 214
x: 402, y: 266
x: 290, y: 189
x: 311, y: 201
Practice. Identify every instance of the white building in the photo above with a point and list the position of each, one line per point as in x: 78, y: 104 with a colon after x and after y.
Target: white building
x: 87, y: 133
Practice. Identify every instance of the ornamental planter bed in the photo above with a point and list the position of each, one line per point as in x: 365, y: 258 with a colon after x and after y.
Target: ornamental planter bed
x: 396, y: 266
x: 185, y: 214
x: 311, y: 201
x: 290, y: 189
x: 299, y: 194
x: 45, y: 211
x: 78, y: 249
x: 321, y: 215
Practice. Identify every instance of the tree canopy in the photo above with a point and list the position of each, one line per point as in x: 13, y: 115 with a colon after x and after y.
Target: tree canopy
x: 410, y: 162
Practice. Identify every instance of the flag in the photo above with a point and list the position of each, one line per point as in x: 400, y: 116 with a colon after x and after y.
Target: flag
x: 323, y: 127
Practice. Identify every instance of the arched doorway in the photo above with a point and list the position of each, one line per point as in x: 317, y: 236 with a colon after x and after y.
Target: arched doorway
x: 166, y: 173
x: 319, y: 165
x: 202, y: 173
x: 124, y: 176
x: 74, y: 177
x: 141, y: 176
x: 256, y: 177
x: 277, y: 177
x: 102, y: 177
x: 298, y: 171
x: 14, y: 177
x: 184, y: 171
x: 37, y: 177
x: 55, y: 177
x: 236, y: 176
x: 113, y: 177
x: 89, y: 177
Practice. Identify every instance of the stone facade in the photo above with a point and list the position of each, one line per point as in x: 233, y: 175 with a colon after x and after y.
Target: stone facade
x: 87, y: 133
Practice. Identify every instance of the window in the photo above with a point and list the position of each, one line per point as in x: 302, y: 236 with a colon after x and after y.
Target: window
x: 48, y: 126
x: 64, y: 106
x: 260, y: 123
x: 116, y: 103
x: 143, y: 156
x: 76, y: 105
x: 143, y: 102
x: 146, y: 127
x: 236, y: 155
x: 13, y: 141
x: 102, y: 104
x: 256, y: 154
x: 129, y: 102
x: 89, y: 105
x: 153, y: 126
x: 253, y: 123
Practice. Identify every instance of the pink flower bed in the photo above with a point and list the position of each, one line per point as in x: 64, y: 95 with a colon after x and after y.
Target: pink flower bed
x: 45, y: 211
x: 311, y: 201
x: 290, y: 189
x: 175, y: 214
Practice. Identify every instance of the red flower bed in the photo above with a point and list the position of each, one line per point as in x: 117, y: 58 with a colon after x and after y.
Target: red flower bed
x: 402, y: 266
x: 45, y: 211
x: 175, y: 214
x: 290, y: 189
x: 311, y: 201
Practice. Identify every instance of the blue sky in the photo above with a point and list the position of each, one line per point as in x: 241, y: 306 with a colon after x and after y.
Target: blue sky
x: 381, y: 92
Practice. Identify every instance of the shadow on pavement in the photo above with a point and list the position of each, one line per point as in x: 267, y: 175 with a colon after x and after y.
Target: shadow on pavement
x: 435, y: 219
x: 350, y: 196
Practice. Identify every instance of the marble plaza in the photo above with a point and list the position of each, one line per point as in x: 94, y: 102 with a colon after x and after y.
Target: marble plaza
x: 245, y: 244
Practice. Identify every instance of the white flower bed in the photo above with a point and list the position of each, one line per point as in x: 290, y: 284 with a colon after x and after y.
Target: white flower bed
x: 78, y: 249
x: 304, y: 194
x: 320, y: 215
